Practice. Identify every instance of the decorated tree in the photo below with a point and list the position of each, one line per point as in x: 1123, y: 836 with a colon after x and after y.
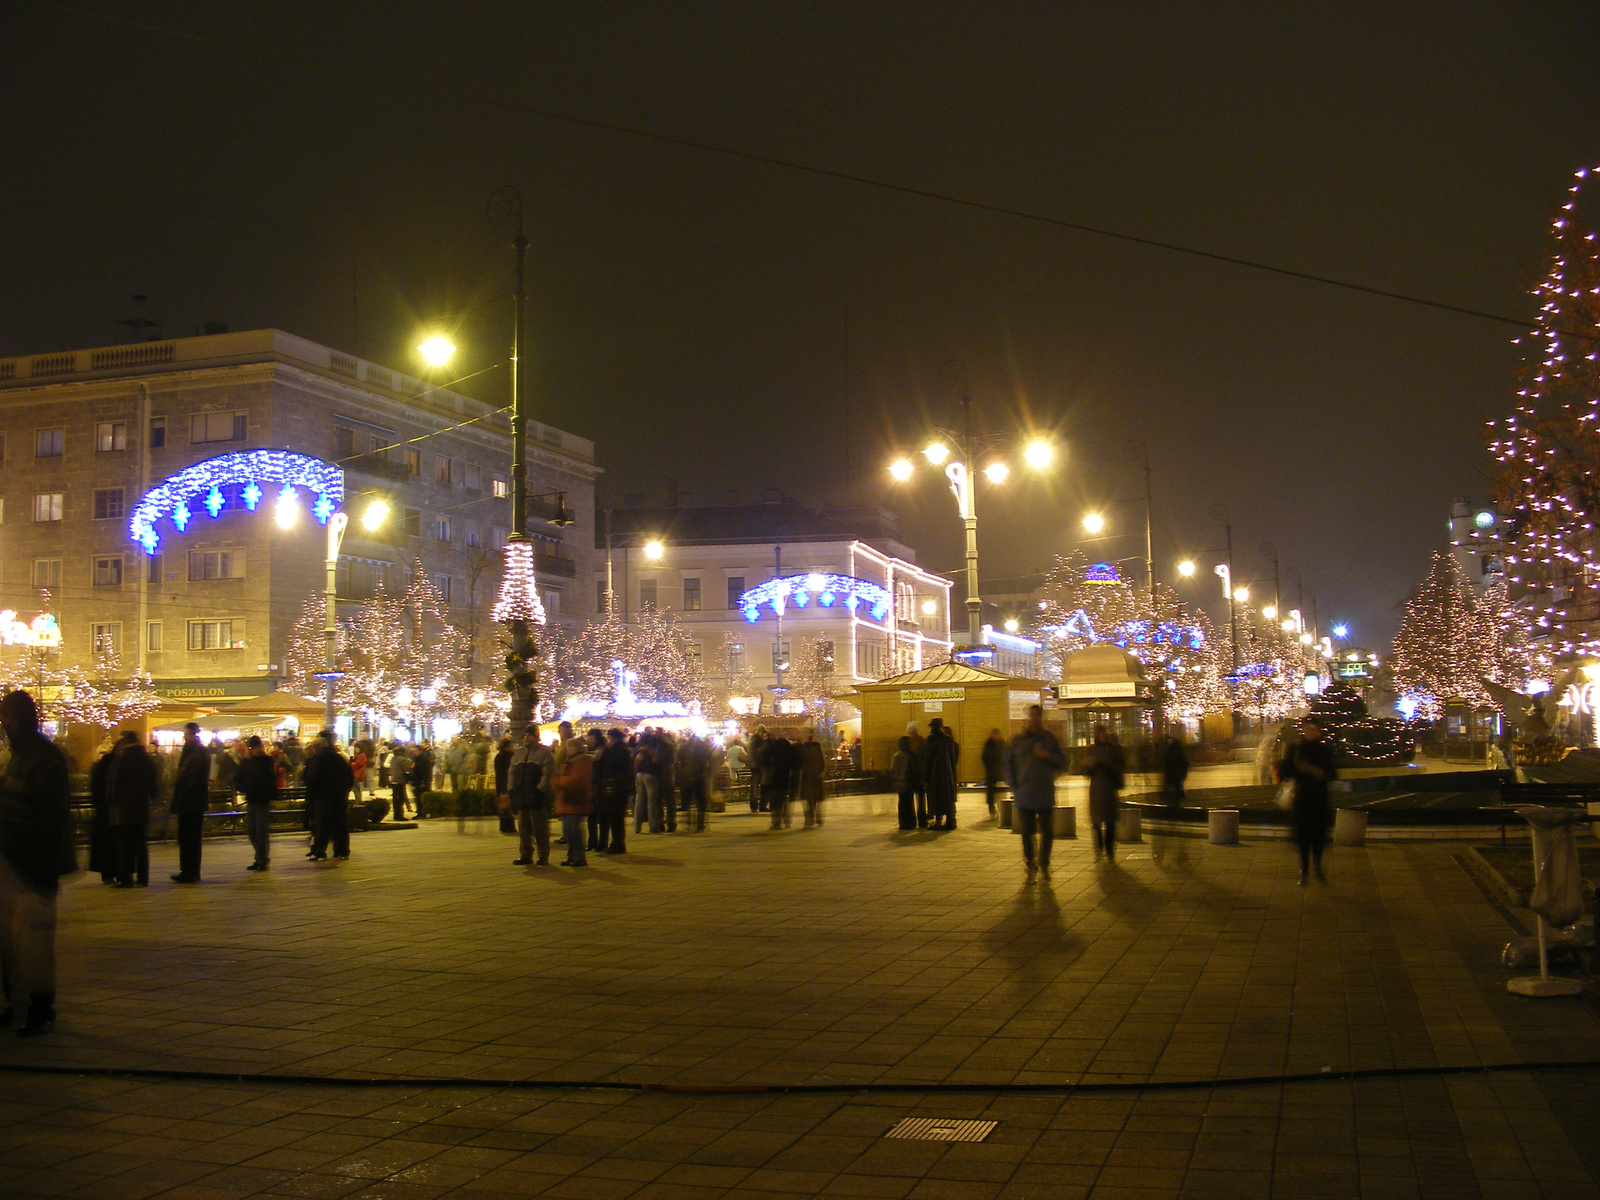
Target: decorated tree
x: 1441, y: 650
x: 654, y: 646
x: 1547, y: 487
x: 811, y: 674
x: 1270, y: 681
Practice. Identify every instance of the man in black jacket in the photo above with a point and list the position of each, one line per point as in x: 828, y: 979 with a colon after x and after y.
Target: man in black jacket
x: 191, y: 792
x: 258, y: 781
x: 613, y: 788
x: 328, y: 779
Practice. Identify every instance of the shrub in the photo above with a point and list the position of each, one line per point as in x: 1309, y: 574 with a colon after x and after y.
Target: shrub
x: 378, y: 807
x: 435, y: 804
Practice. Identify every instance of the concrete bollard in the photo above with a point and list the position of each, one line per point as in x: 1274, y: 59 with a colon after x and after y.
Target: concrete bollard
x: 1349, y: 827
x: 1129, y: 826
x: 1224, y: 827
x: 1006, y: 821
x: 1066, y: 822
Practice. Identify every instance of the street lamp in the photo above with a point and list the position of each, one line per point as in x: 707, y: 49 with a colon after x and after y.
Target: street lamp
x: 436, y: 350
x: 1093, y: 522
x: 653, y: 549
x: 1186, y: 568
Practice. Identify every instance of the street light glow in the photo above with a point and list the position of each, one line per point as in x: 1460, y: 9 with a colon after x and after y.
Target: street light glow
x: 1186, y: 568
x: 436, y: 350
x: 1094, y: 522
x: 996, y: 472
x: 286, y: 511
x: 929, y: 607
x: 376, y: 513
x: 653, y: 549
x: 1241, y: 594
x: 936, y: 453
x: 1305, y: 639
x: 901, y: 469
x: 1341, y: 631
x: 1039, y: 454
x: 1270, y: 612
x: 1012, y: 625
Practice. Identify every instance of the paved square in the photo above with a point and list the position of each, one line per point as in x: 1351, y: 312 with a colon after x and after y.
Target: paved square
x: 919, y: 965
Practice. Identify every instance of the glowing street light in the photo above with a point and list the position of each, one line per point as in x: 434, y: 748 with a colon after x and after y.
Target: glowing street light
x: 1270, y: 612
x: 1093, y: 522
x: 996, y: 472
x: 1186, y: 568
x: 1012, y: 625
x: 930, y: 607
x: 1241, y: 594
x: 900, y: 469
x: 436, y: 350
x: 287, y: 510
x: 653, y: 549
x: 1341, y: 631
x: 936, y: 453
x: 1039, y: 454
x: 375, y: 514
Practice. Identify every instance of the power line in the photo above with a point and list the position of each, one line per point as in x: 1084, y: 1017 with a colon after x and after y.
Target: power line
x: 471, y: 96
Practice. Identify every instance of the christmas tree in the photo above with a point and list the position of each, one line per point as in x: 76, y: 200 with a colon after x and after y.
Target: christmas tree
x: 1441, y: 651
x: 1548, y: 449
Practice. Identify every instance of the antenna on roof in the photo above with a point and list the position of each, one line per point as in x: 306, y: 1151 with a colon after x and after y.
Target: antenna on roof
x: 139, y: 323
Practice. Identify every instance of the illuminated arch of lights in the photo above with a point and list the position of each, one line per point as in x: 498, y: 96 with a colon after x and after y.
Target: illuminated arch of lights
x: 825, y: 591
x: 245, y: 479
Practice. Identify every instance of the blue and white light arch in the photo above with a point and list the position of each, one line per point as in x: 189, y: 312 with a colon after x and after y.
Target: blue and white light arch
x: 825, y: 591
x: 245, y: 477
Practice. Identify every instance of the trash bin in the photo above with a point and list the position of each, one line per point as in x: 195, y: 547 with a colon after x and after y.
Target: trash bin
x: 1224, y: 826
x: 1557, y: 895
x: 1005, y: 814
x: 1128, y: 824
x: 1065, y: 819
x: 1349, y: 827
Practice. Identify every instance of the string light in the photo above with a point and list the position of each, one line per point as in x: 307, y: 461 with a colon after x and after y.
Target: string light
x: 519, y: 598
x: 207, y: 484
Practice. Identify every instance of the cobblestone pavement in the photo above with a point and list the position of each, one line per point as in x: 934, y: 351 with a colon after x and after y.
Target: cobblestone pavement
x: 847, y: 955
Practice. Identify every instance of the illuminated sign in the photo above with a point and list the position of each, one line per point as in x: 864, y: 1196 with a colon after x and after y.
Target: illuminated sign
x: 1355, y: 670
x: 41, y: 633
x: 923, y: 695
x: 1096, y: 691
x: 1102, y: 573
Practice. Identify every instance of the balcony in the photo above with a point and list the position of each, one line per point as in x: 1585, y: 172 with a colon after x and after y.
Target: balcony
x: 379, y: 467
x: 558, y: 565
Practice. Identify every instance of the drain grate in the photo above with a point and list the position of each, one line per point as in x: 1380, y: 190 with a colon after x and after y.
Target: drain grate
x: 941, y: 1129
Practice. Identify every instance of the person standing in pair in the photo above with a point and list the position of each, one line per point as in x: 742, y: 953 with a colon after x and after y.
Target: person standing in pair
x: 131, y: 786
x: 993, y: 756
x: 528, y: 785
x: 1104, y: 767
x: 778, y: 765
x: 1032, y: 762
x: 904, y: 770
x: 812, y: 772
x: 613, y: 788
x: 399, y: 777
x: 258, y: 781
x: 35, y: 851
x: 573, y: 782
x: 328, y: 780
x: 191, y: 793
x: 102, y: 839
x: 941, y: 752
x: 919, y: 753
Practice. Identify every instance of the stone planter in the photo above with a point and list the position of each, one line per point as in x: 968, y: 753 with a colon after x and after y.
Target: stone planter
x: 1224, y: 827
x: 1129, y: 825
x: 1006, y: 821
x: 1349, y: 827
x: 1066, y: 821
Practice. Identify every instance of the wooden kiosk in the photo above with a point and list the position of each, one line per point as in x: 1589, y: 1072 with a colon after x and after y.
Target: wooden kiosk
x: 971, y: 701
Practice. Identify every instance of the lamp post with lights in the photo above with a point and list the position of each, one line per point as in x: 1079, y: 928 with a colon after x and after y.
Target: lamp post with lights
x: 1038, y: 454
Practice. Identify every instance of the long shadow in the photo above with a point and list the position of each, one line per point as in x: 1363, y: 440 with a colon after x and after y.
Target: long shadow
x: 1032, y: 938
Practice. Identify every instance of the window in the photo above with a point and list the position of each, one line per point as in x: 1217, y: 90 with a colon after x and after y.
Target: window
x: 48, y: 443
x: 600, y: 596
x: 552, y: 602
x: 47, y: 572
x: 500, y: 536
x: 475, y: 479
x: 735, y: 590
x: 474, y: 534
x: 693, y: 652
x: 442, y: 582
x: 152, y: 636
x: 108, y: 570
x: 108, y: 504
x: 215, y: 564
x: 444, y: 470
x: 647, y: 593
x: 219, y: 427
x: 441, y: 529
x: 106, y: 639
x: 216, y: 635
x: 413, y: 522
x: 344, y: 441
x: 158, y: 432
x: 152, y: 567
x: 691, y: 595
x: 110, y: 436
x: 413, y: 461
x: 47, y: 506
x: 501, y: 488
x: 735, y: 657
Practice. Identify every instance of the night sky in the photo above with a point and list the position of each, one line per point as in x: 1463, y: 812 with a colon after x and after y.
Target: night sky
x: 727, y: 323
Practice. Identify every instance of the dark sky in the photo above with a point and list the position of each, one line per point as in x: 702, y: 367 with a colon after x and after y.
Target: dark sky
x: 324, y: 168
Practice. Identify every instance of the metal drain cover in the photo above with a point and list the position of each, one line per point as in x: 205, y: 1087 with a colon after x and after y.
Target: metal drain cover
x: 941, y: 1129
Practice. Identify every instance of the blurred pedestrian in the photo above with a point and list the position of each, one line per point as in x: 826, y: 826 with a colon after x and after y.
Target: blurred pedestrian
x: 919, y: 751
x: 903, y: 771
x: 1104, y: 767
x: 1309, y: 765
x: 993, y: 756
x: 1032, y: 762
x: 941, y: 753
x: 131, y: 786
x: 1174, y: 769
x: 35, y: 852
x: 399, y: 778
x: 573, y: 782
x: 102, y: 841
x: 328, y: 780
x: 191, y: 794
x: 258, y: 781
x: 778, y: 767
x: 613, y: 788
x: 813, y: 769
x: 528, y: 785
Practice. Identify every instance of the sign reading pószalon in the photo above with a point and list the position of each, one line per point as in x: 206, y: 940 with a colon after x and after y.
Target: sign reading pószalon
x: 921, y: 695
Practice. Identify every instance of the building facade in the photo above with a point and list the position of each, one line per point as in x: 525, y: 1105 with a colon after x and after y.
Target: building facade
x: 701, y: 562
x: 85, y: 434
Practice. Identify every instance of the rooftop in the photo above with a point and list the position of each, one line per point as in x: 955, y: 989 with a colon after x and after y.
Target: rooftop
x: 780, y: 519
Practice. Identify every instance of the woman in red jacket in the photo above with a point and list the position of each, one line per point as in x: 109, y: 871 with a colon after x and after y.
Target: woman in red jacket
x: 573, y: 783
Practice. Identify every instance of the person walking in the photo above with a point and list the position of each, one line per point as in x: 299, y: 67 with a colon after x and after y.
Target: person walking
x: 613, y: 788
x: 993, y: 756
x: 1104, y: 767
x: 777, y: 767
x: 1174, y: 769
x: 1032, y: 762
x: 667, y: 778
x: 131, y: 786
x: 259, y: 783
x: 422, y: 770
x: 941, y: 753
x: 102, y: 839
x: 1309, y: 766
x: 647, y: 798
x: 528, y: 775
x: 328, y: 780
x: 35, y: 852
x: 919, y: 752
x: 904, y: 770
x: 399, y: 777
x: 694, y: 765
x: 756, y: 757
x: 573, y: 782
x: 812, y: 771
x: 191, y: 793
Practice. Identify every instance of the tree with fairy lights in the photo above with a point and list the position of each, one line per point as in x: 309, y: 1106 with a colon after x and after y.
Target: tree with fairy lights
x: 1441, y: 649
x: 810, y: 676
x: 654, y: 645
x: 1548, y: 485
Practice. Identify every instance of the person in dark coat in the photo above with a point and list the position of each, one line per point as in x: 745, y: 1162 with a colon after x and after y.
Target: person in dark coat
x: 257, y: 780
x: 994, y: 758
x: 1309, y: 764
x: 813, y: 770
x: 328, y: 779
x: 1104, y: 765
x: 940, y: 753
x: 191, y: 792
x: 422, y: 769
x: 102, y: 841
x: 778, y: 766
x: 1174, y: 769
x: 694, y: 762
x: 399, y: 777
x: 614, y: 788
x: 528, y: 777
x: 919, y: 752
x: 905, y: 772
x: 35, y: 851
x: 757, y: 759
x: 131, y: 788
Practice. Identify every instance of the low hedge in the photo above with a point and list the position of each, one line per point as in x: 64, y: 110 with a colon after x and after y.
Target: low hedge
x: 469, y: 802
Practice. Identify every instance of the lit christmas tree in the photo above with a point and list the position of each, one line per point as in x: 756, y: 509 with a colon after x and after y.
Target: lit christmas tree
x: 1547, y: 489
x: 1440, y: 651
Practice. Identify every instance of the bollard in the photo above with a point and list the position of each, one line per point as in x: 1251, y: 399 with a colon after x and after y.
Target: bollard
x: 1128, y: 825
x: 1066, y: 821
x: 1224, y: 826
x: 1349, y: 827
x: 1005, y: 814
